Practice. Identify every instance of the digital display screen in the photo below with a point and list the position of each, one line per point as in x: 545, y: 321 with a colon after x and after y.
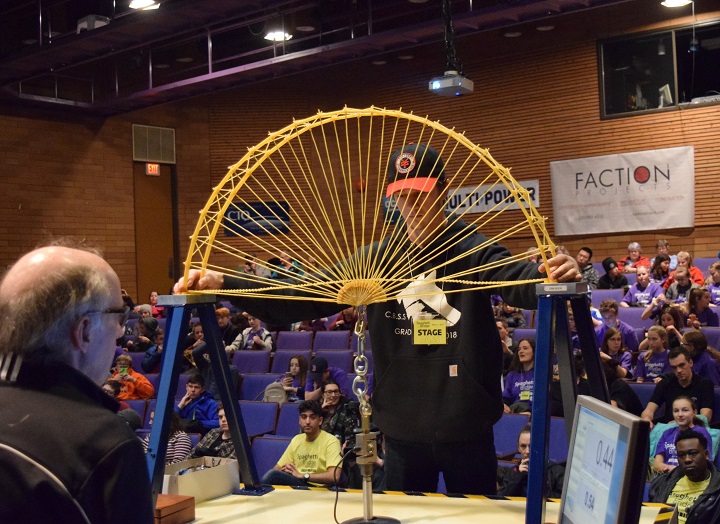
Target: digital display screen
x: 595, y: 472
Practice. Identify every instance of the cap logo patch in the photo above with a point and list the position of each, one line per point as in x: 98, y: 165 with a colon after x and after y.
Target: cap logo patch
x: 405, y: 163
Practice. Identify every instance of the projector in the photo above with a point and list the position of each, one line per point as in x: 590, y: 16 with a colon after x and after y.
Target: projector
x: 451, y: 84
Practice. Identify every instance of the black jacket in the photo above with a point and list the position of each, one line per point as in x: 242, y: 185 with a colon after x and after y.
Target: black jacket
x: 66, y: 456
x: 707, y: 506
x: 430, y: 393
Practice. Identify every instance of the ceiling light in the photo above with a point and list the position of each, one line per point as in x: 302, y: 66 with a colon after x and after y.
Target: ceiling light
x: 661, y: 48
x: 545, y: 27
x: 676, y: 3
x: 305, y: 28
x: 145, y: 5
x: 379, y: 62
x: 184, y: 59
x: 512, y: 34
x: 406, y: 57
x: 278, y: 36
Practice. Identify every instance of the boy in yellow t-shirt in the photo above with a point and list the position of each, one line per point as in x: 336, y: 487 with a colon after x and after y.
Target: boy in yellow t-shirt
x: 311, y: 457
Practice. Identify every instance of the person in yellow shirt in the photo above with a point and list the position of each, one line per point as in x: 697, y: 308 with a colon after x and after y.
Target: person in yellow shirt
x: 312, y: 457
x: 693, y: 486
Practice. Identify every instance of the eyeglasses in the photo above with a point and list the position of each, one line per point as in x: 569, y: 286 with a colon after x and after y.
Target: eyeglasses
x: 332, y: 391
x: 122, y: 312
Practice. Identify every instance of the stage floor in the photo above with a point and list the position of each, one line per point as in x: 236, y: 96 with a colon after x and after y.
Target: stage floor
x: 316, y: 505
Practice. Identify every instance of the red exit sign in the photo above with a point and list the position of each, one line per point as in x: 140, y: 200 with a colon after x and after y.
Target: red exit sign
x: 152, y: 169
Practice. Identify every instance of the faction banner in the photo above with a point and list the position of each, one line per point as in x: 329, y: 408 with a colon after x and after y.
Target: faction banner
x: 624, y: 192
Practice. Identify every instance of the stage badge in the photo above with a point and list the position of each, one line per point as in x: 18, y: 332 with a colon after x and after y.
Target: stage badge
x: 429, y: 332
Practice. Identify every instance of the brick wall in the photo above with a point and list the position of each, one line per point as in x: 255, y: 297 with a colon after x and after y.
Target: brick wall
x: 536, y: 100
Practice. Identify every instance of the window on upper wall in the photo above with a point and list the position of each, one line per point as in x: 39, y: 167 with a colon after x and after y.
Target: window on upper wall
x: 656, y: 71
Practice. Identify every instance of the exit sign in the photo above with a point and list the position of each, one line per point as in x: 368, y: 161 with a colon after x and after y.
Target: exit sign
x: 152, y: 169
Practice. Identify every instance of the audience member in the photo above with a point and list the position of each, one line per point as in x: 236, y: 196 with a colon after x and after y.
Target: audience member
x: 133, y: 385
x: 698, y: 309
x: 287, y: 267
x: 713, y: 283
x: 685, y: 416
x: 312, y: 457
x: 617, y: 356
x: 609, y: 311
x: 695, y: 274
x: 253, y: 267
x: 678, y: 291
x: 320, y: 371
x: 581, y: 383
x: 201, y: 358
x: 345, y: 321
x: 518, y: 391
x: 144, y: 334
x: 588, y: 272
x: 653, y: 362
x: 112, y: 388
x: 179, y: 445
x: 254, y: 337
x: 513, y: 316
x: 692, y: 486
x: 683, y: 381
x: 659, y: 272
x: 613, y: 277
x: 662, y: 248
x: 296, y: 377
x: 634, y: 259
x: 341, y: 416
x: 507, y: 344
x: 514, y: 482
x: 156, y: 311
x: 65, y: 454
x: 670, y: 317
x: 643, y: 291
x: 217, y: 442
x: 144, y: 310
x: 228, y: 330
x: 195, y: 340
x: 197, y: 410
x: 622, y: 395
x: 706, y: 361
x: 153, y: 356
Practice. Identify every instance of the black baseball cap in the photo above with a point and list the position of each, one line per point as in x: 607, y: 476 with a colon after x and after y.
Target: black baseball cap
x: 414, y: 166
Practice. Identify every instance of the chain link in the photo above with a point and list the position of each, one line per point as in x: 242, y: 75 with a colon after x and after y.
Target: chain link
x: 360, y: 365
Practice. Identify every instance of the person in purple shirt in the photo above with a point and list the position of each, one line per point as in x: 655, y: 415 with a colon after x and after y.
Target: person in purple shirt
x: 685, y: 415
x: 613, y: 351
x: 705, y: 362
x: 609, y: 311
x: 698, y: 309
x: 518, y: 391
x: 642, y: 292
x: 714, y: 283
x: 653, y: 362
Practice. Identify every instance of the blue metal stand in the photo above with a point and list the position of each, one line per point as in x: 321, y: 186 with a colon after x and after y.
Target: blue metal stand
x: 178, y: 309
x: 553, y: 333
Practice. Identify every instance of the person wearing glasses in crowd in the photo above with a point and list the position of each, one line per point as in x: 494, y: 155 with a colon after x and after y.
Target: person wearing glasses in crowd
x: 65, y: 453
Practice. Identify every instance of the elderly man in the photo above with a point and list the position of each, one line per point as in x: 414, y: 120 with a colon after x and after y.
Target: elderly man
x: 435, y: 404
x: 65, y: 455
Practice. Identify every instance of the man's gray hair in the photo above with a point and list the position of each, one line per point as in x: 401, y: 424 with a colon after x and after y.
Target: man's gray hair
x: 634, y: 246
x: 38, y: 323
